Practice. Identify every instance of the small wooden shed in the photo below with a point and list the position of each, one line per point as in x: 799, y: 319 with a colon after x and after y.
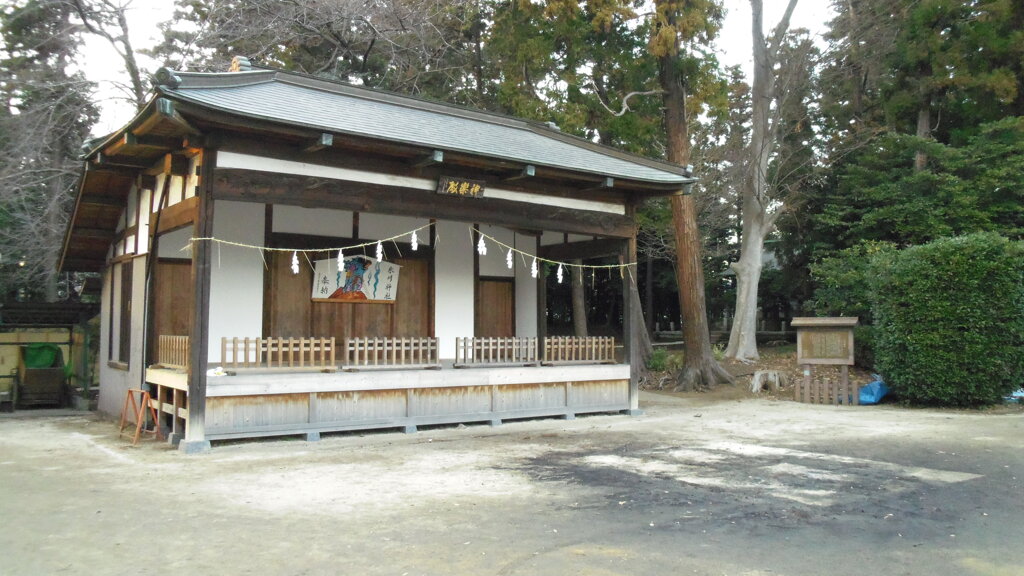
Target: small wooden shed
x: 217, y: 216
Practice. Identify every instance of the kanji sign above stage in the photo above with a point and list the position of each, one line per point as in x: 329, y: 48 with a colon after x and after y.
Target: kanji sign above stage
x: 362, y: 279
x: 460, y: 187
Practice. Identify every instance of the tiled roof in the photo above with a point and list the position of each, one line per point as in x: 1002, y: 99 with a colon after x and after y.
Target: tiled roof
x: 344, y: 109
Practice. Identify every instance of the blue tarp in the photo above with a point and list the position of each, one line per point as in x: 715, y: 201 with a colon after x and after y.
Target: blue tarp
x: 873, y: 391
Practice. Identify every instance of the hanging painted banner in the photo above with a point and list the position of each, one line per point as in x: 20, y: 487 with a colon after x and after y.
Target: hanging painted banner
x: 362, y: 279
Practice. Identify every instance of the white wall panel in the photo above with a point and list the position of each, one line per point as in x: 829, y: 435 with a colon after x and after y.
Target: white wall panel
x: 236, y: 289
x: 526, y: 289
x: 494, y: 263
x: 379, y: 226
x: 453, y: 274
x: 171, y: 243
x: 314, y: 221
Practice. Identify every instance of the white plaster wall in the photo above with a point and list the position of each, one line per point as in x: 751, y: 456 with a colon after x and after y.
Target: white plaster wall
x: 114, y: 383
x: 526, y: 289
x: 549, y: 238
x: 145, y: 200
x: 171, y: 243
x: 131, y: 212
x: 175, y: 192
x: 236, y: 283
x: 314, y: 221
x: 494, y: 263
x: 380, y: 226
x: 158, y: 192
x: 192, y: 180
x: 453, y: 279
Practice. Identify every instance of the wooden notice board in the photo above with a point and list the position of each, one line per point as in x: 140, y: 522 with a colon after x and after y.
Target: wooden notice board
x: 824, y: 340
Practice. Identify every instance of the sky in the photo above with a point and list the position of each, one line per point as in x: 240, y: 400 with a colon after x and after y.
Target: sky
x: 104, y: 66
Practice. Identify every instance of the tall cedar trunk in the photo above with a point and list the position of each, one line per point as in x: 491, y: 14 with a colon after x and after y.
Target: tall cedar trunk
x: 757, y: 220
x: 924, y: 130
x: 700, y: 370
x: 579, y: 302
x: 649, y: 297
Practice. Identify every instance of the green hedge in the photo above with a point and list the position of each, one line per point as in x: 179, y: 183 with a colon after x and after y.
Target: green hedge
x: 842, y: 289
x: 949, y: 320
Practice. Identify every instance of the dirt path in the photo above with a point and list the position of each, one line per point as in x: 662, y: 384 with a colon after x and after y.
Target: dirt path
x: 748, y: 487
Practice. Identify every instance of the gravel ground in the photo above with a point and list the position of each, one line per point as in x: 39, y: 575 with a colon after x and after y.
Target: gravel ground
x: 709, y: 485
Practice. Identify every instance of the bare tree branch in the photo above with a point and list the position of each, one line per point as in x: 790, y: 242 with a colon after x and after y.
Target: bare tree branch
x: 625, y: 99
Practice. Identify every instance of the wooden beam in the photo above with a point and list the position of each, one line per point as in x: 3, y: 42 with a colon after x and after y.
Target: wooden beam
x: 582, y: 250
x: 324, y: 141
x: 605, y: 184
x: 103, y: 159
x: 176, y: 216
x: 528, y: 171
x: 435, y: 157
x: 310, y: 192
x: 172, y: 164
x: 103, y: 201
x: 164, y: 111
x: 94, y: 168
x: 83, y: 265
x: 97, y: 233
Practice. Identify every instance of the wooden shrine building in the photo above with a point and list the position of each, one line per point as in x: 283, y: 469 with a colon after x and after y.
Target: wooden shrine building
x: 216, y: 217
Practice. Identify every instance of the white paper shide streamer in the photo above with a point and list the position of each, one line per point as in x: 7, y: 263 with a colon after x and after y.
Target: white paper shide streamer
x: 380, y: 252
x: 559, y: 273
x: 295, y: 262
x: 481, y: 247
x: 508, y: 259
x: 415, y: 241
x: 533, y: 268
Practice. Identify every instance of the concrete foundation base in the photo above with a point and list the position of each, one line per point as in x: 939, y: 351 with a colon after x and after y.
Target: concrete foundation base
x: 194, y: 446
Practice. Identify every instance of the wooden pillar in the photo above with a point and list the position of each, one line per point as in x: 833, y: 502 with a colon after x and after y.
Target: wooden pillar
x: 630, y: 310
x: 195, y: 429
x: 542, y: 308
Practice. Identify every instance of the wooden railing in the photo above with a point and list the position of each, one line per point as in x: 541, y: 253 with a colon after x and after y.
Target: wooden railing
x: 379, y: 353
x: 576, y: 350
x: 495, y: 352
x: 277, y: 352
x: 382, y: 353
x: 172, y: 351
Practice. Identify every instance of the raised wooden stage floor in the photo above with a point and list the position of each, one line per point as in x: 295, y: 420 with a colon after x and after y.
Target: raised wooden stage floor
x: 273, y: 402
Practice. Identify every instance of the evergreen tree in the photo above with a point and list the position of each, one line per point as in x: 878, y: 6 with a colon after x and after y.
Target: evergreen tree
x: 47, y: 117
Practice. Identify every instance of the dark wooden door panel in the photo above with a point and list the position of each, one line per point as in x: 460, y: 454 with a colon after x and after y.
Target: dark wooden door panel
x: 495, y: 313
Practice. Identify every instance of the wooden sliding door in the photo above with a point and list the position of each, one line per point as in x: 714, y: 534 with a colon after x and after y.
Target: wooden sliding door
x: 290, y: 312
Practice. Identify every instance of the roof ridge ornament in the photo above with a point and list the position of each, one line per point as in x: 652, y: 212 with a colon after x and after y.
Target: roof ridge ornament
x: 240, y: 64
x: 166, y: 77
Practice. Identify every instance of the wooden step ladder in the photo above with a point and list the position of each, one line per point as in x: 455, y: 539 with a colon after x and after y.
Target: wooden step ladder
x: 139, y: 400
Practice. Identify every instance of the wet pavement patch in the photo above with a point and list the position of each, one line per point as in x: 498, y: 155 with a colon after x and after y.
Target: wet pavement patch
x: 752, y: 486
